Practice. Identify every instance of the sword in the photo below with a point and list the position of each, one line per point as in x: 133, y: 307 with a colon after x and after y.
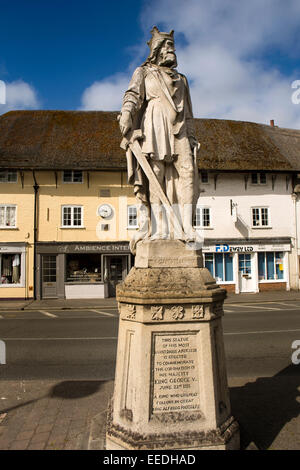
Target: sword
x: 132, y: 141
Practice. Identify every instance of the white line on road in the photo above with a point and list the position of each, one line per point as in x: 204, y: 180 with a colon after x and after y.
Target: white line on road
x: 101, y: 312
x: 289, y: 305
x: 260, y: 332
x: 260, y: 307
x: 60, y: 339
x: 115, y: 337
x: 47, y: 313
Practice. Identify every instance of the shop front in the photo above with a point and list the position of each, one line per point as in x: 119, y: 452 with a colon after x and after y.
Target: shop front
x: 81, y: 270
x: 249, y: 266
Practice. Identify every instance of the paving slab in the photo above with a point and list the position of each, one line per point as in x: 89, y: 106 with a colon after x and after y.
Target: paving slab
x: 267, y: 409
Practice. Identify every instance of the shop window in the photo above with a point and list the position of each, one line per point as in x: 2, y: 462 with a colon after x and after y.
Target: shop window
x: 83, y: 268
x: 132, y: 221
x: 8, y: 176
x: 72, y: 176
x: 270, y: 266
x: 260, y: 217
x: 202, y: 217
x: 7, y: 216
x: 258, y: 178
x: 72, y: 216
x: 220, y: 266
x: 10, y: 265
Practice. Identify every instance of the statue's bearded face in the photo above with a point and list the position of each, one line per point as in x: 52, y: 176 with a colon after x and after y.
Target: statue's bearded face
x: 167, y: 56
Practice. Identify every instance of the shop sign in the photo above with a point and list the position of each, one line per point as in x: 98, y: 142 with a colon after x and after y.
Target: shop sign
x: 239, y: 249
x: 226, y: 248
x: 101, y: 248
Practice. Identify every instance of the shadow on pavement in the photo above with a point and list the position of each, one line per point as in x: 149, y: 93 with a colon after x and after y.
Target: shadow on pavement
x: 75, y: 389
x: 72, y: 390
x: 265, y: 406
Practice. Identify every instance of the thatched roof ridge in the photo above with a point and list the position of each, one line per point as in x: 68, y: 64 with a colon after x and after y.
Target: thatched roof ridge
x: 90, y: 140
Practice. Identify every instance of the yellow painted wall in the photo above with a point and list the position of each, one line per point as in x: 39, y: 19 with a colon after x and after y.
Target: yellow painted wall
x: 23, y: 198
x: 87, y: 195
x: 51, y: 199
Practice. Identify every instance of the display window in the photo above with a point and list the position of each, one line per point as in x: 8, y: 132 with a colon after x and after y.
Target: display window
x: 84, y: 268
x: 10, y: 268
x: 270, y: 266
x: 220, y: 266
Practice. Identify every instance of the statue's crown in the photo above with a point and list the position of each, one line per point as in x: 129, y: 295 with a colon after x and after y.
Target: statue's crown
x: 157, y: 35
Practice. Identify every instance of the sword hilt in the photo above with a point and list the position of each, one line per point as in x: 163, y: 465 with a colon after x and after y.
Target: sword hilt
x: 130, y: 137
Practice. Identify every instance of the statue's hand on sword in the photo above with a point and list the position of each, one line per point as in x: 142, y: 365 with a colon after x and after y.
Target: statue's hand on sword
x: 125, y: 122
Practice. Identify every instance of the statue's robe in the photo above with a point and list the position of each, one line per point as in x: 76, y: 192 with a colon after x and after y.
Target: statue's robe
x: 158, y: 99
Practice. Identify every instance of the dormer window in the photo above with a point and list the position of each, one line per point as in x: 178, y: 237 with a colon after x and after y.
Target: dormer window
x: 72, y: 176
x: 204, y: 177
x: 8, y: 176
x: 258, y: 178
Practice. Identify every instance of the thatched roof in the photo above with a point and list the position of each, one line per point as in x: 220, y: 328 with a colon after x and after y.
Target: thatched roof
x: 90, y: 140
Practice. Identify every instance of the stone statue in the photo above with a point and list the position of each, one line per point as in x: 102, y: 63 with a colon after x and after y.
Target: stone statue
x: 170, y: 389
x: 158, y: 104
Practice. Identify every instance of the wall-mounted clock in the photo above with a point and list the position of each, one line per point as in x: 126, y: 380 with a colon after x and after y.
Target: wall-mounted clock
x: 105, y: 211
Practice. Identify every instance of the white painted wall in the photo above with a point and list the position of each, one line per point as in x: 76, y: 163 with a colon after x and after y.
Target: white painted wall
x: 231, y: 186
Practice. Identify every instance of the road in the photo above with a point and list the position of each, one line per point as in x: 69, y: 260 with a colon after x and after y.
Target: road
x: 81, y: 343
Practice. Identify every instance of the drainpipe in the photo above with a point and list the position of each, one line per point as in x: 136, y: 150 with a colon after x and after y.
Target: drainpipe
x: 35, y: 234
x: 294, y: 198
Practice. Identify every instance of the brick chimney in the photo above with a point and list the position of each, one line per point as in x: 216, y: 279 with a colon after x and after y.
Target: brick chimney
x: 272, y: 123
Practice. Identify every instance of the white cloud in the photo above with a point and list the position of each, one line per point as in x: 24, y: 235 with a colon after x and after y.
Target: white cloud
x: 105, y: 95
x: 227, y: 56
x: 224, y: 55
x: 19, y: 95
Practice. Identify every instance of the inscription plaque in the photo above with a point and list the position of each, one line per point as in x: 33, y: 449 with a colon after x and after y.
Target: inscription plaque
x: 175, y: 382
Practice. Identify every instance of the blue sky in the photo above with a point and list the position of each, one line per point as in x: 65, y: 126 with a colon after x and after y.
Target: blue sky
x: 240, y: 57
x: 61, y: 46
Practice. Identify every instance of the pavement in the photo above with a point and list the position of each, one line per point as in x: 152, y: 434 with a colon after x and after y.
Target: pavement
x: 70, y: 414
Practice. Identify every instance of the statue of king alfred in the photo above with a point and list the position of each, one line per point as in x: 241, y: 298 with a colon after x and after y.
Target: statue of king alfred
x: 156, y: 121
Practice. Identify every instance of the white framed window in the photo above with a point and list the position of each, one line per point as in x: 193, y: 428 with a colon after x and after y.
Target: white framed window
x: 202, y: 217
x: 8, y: 216
x: 72, y: 176
x: 260, y: 217
x: 10, y: 269
x: 8, y: 176
x: 220, y: 265
x: 271, y: 266
x: 132, y: 219
x: 258, y: 178
x: 72, y: 216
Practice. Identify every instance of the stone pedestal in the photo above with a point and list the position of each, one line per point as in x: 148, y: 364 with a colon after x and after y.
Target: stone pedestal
x: 170, y: 385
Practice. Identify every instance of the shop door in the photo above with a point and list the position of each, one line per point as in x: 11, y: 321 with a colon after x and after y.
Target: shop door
x: 49, y: 277
x: 115, y: 266
x: 246, y: 275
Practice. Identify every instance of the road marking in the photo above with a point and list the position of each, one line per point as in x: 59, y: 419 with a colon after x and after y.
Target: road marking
x: 228, y: 311
x: 262, y: 307
x: 61, y: 339
x: 288, y: 305
x: 260, y: 332
x: 47, y: 314
x: 101, y: 312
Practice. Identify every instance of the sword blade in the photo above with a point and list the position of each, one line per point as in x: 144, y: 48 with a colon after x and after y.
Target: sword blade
x: 137, y: 151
